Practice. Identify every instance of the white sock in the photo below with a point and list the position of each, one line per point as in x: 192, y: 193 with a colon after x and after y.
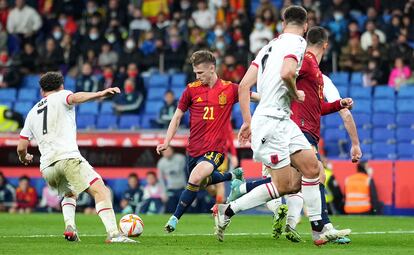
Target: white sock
x: 295, y: 205
x: 257, y: 196
x: 68, y: 210
x: 273, y: 205
x: 312, y: 198
x: 107, y: 215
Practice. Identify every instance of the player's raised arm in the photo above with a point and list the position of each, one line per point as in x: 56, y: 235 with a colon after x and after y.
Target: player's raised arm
x: 172, y: 129
x: 82, y: 97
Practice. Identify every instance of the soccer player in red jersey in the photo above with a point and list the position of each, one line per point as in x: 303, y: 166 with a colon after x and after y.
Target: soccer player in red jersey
x: 210, y: 101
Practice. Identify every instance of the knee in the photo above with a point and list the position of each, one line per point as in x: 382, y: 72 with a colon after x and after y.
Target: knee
x: 312, y: 169
x: 296, y: 186
x: 195, y: 179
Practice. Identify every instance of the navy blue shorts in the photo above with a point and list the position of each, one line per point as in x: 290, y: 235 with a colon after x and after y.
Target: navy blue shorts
x: 215, y: 158
x: 314, y: 143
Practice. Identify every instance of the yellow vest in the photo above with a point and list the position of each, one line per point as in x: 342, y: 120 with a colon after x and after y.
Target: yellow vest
x: 357, y: 194
x: 5, y: 124
x: 328, y: 193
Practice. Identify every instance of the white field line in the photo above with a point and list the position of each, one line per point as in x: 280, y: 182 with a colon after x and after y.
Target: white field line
x: 228, y: 234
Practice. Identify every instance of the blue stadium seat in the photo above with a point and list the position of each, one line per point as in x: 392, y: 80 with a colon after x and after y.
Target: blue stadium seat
x: 31, y: 81
x: 406, y: 92
x: 23, y: 107
x: 384, y: 151
x: 356, y: 79
x: 405, y: 151
x: 343, y: 91
x: 384, y: 105
x: 119, y: 186
x: 107, y: 107
x: 405, y: 120
x: 333, y: 121
x: 159, y: 80
x: 366, y: 148
x: 384, y: 92
x: 70, y: 83
x: 38, y: 184
x: 9, y: 104
x: 178, y: 91
x: 129, y: 121
x: 334, y: 135
x: 89, y: 107
x: 85, y: 121
x: 405, y: 106
x: 383, y: 135
x: 332, y: 150
x: 155, y: 93
x: 146, y: 121
x: 405, y: 135
x: 107, y: 121
x: 362, y: 106
x: 153, y: 107
x: 178, y: 80
x: 365, y: 136
x: 237, y: 119
x: 383, y: 120
x: 8, y: 94
x: 362, y: 120
x: 360, y: 93
x: 340, y: 78
x: 146, y: 80
x: 26, y: 94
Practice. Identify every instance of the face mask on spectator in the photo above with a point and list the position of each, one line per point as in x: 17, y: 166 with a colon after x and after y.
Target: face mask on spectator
x: 57, y: 35
x: 93, y: 36
x: 129, y: 88
x: 185, y: 5
x: 130, y: 44
x: 218, y: 32
x: 338, y: 16
x: 259, y: 26
x: 132, y: 73
x: 220, y: 45
x: 108, y: 75
x: 4, y: 58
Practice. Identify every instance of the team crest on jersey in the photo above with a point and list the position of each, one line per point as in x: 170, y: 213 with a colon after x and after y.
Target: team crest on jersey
x: 222, y: 99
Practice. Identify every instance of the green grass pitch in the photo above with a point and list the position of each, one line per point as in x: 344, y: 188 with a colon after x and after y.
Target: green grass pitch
x: 247, y: 234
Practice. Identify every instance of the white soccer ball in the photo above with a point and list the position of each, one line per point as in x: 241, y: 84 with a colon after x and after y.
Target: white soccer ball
x: 131, y: 225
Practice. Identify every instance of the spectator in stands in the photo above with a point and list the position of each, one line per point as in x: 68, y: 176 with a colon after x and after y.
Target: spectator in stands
x: 352, y: 58
x: 161, y: 26
x: 203, y: 17
x: 138, y: 24
x: 116, y: 34
x: 26, y: 197
x: 115, y: 11
x: 175, y: 54
x: 24, y: 21
x: 108, y: 79
x: 70, y: 52
x: 4, y: 13
x: 9, y: 74
x: 92, y: 41
x: 373, y: 75
x: 132, y: 197
x: 50, y: 201
x: 400, y: 49
x: 107, y: 57
x: 57, y: 33
x: 7, y: 194
x: 372, y: 15
x: 130, y: 54
x: 67, y: 23
x: 168, y: 110
x: 27, y: 59
x: 133, y: 73
x: 217, y: 35
x: 399, y: 74
x: 260, y: 36
x: 51, y: 57
x: 360, y: 192
x: 87, y: 82
x: 392, y: 30
x: 172, y: 173
x: 85, y: 204
x: 131, y: 101
x: 149, y: 51
x: 231, y: 70
x: 337, y: 25
x: 366, y: 37
x: 408, y: 25
x: 267, y: 6
x: 154, y: 195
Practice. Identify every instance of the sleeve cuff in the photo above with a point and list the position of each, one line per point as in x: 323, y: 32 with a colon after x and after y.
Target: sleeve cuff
x: 67, y: 99
x: 255, y: 64
x: 291, y: 56
x: 24, y: 137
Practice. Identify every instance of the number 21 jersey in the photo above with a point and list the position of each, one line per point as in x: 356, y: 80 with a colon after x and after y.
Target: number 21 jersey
x: 51, y: 122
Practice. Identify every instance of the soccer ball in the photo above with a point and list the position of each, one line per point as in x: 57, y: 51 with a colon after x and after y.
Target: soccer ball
x: 131, y: 225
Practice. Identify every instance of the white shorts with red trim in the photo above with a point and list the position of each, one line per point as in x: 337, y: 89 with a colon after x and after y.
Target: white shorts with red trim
x: 70, y: 176
x: 275, y: 139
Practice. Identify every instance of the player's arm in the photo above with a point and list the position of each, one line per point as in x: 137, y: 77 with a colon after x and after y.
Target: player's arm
x: 172, y: 129
x: 24, y: 157
x: 82, y: 97
x: 248, y: 81
x: 328, y: 108
x: 350, y: 127
x: 288, y: 75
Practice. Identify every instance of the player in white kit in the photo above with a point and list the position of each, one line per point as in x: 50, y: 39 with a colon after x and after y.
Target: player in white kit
x: 276, y: 140
x: 51, y: 122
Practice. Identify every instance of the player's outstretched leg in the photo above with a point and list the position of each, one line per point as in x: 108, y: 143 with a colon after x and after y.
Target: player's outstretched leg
x: 295, y: 204
x: 103, y: 206
x: 68, y: 210
x: 279, y: 220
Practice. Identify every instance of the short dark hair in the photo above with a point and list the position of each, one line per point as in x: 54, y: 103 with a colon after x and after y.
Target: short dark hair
x: 24, y: 177
x: 202, y: 56
x: 152, y: 173
x: 51, y: 81
x: 295, y: 15
x: 361, y: 167
x: 133, y: 175
x: 317, y: 36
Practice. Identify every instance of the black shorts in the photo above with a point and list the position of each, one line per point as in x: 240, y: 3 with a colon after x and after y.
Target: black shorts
x: 215, y: 158
x: 314, y: 143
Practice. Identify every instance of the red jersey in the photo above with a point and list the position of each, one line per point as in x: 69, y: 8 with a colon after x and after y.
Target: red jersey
x: 307, y: 115
x: 210, y: 111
